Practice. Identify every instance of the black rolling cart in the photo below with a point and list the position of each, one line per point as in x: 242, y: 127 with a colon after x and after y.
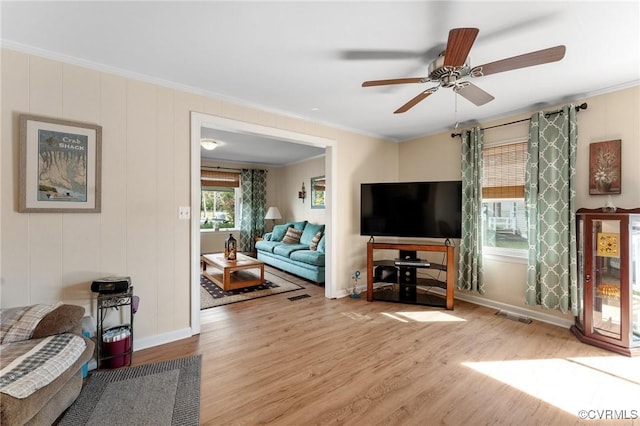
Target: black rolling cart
x: 115, y: 345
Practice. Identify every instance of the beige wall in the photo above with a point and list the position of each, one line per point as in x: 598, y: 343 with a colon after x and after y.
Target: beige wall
x: 146, y: 177
x: 609, y: 116
x: 50, y: 257
x: 290, y: 182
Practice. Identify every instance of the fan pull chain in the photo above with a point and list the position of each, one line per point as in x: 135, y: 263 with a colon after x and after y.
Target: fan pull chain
x: 455, y: 97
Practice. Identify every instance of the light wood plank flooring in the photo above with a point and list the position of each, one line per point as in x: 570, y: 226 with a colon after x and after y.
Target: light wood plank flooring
x: 347, y: 361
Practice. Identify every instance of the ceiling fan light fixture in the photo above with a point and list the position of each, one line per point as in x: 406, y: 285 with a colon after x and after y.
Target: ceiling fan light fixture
x: 208, y: 144
x: 438, y: 71
x: 452, y: 66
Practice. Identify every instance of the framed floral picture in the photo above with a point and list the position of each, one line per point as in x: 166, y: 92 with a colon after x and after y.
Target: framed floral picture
x: 604, y: 167
x: 59, y: 166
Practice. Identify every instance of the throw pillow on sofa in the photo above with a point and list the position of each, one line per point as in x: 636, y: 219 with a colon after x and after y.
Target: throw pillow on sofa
x: 321, y: 244
x: 279, y: 231
x: 298, y: 225
x: 314, y: 242
x: 292, y: 236
x: 309, y: 232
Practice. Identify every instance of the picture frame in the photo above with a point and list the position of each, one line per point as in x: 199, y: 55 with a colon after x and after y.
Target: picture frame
x: 605, y: 174
x: 60, y: 166
x: 318, y: 188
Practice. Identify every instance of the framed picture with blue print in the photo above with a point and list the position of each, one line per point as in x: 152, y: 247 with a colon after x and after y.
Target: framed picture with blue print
x: 60, y: 166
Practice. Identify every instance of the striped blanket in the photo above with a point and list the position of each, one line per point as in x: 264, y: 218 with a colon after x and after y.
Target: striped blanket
x: 26, y: 364
x: 32, y: 364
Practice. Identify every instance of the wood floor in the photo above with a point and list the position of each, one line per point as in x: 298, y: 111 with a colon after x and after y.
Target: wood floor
x: 348, y: 361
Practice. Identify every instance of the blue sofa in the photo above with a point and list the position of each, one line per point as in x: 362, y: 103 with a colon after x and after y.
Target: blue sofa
x: 304, y: 258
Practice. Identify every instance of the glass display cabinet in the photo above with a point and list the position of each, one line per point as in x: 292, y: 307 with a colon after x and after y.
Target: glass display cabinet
x: 608, y: 248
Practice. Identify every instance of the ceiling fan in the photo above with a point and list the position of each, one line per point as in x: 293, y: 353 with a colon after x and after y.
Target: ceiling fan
x: 452, y: 66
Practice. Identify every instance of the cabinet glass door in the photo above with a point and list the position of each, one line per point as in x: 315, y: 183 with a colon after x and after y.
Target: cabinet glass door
x: 606, y: 279
x: 634, y: 277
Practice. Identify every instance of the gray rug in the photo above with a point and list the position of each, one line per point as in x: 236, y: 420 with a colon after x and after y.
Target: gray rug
x: 164, y: 393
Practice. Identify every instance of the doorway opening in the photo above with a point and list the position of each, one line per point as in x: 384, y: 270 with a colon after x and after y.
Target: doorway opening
x: 200, y: 120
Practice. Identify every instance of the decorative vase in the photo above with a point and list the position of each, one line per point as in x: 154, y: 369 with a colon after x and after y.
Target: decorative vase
x: 604, y: 186
x: 230, y: 248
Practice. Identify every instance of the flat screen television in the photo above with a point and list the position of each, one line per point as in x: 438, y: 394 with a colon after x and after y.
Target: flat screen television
x: 411, y: 209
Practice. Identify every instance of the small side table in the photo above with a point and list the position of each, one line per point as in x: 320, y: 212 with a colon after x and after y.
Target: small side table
x: 254, y: 252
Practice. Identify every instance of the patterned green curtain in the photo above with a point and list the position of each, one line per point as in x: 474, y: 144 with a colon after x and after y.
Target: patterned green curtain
x: 470, y: 268
x: 550, y: 206
x: 254, y: 199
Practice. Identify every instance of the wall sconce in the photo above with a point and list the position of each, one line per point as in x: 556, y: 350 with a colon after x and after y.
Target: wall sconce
x: 303, y: 193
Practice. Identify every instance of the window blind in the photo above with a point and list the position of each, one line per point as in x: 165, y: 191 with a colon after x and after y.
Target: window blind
x: 503, y: 172
x: 219, y: 179
x: 319, y: 185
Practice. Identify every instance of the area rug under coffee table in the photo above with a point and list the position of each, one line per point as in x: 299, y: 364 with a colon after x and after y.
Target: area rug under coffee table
x: 211, y: 295
x: 163, y: 393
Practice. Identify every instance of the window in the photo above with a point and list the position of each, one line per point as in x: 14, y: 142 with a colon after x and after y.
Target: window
x: 220, y: 197
x: 318, y: 188
x: 218, y: 207
x: 504, y: 222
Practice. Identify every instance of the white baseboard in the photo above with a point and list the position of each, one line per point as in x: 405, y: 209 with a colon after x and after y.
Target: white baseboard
x: 505, y: 307
x: 161, y: 339
x: 535, y: 315
x: 347, y: 292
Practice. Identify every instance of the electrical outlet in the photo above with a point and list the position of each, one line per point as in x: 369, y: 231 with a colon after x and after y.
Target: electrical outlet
x: 184, y: 212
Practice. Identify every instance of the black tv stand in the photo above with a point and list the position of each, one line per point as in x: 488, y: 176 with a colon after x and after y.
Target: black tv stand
x: 406, y: 286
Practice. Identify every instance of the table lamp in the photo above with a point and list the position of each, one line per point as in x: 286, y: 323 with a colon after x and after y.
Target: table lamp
x: 273, y: 213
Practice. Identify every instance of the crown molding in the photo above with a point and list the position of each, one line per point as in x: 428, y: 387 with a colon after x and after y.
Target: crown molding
x: 97, y: 66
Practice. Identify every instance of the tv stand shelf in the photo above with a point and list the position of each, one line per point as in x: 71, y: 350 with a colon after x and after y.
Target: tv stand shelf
x: 405, y: 286
x: 390, y: 262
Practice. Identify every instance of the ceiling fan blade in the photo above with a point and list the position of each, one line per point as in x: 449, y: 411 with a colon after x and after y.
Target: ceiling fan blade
x: 538, y: 57
x: 394, y: 81
x: 406, y: 107
x: 473, y: 93
x: 459, y: 45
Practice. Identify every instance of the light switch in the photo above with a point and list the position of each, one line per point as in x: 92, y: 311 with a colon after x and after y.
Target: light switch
x: 184, y: 212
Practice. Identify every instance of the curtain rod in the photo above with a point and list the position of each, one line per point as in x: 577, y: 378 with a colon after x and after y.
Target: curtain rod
x: 220, y: 168
x: 228, y: 168
x: 578, y: 108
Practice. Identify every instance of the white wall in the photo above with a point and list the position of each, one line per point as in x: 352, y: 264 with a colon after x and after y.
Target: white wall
x: 146, y: 177
x: 609, y: 116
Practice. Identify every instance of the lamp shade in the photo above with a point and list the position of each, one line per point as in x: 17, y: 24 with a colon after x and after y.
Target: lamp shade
x: 273, y: 213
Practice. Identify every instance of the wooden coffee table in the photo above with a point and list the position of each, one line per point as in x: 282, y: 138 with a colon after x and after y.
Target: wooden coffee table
x: 245, y: 271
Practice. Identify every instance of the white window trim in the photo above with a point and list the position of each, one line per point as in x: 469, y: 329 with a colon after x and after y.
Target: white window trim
x: 505, y: 255
x: 219, y: 231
